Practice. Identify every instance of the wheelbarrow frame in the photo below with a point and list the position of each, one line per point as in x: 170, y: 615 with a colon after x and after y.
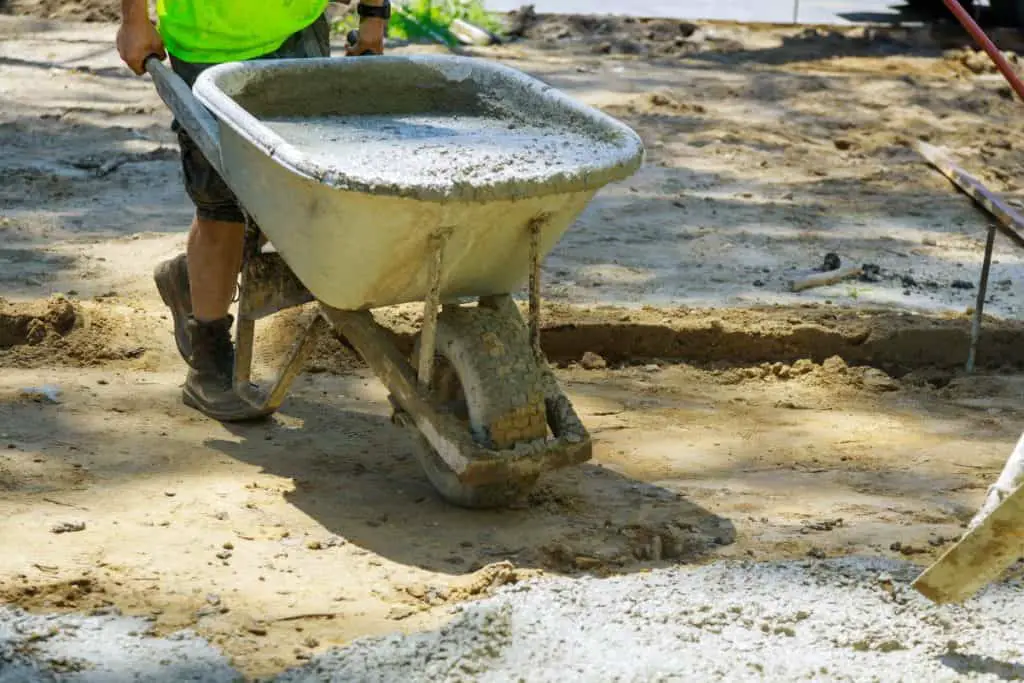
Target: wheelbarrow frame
x: 267, y: 286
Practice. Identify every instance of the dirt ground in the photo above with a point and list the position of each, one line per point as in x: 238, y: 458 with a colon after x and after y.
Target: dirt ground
x: 732, y: 418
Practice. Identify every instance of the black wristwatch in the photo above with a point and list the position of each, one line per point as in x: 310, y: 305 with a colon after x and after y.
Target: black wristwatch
x: 371, y: 12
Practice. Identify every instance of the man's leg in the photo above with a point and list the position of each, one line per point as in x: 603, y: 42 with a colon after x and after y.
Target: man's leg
x: 214, y: 259
x: 199, y: 282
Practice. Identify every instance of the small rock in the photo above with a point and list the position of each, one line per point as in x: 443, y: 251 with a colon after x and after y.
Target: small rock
x: 224, y: 555
x: 977, y: 62
x: 67, y: 527
x: 256, y: 629
x: 836, y: 365
x: 592, y: 361
x: 879, y: 381
x: 314, y: 545
x: 417, y: 590
x: 311, y: 642
x: 842, y: 144
x: 44, y: 394
x: 213, y: 599
x: 584, y: 563
x: 170, y: 494
x: 911, y: 550
x: 962, y: 284
x: 228, y: 545
x: 816, y: 553
x: 400, y: 612
x: 832, y: 262
x: 759, y: 283
x: 334, y: 542
x: 871, y: 272
x: 652, y: 367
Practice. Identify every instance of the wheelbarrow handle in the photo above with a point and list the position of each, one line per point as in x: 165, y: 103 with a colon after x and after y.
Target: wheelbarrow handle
x: 197, y: 121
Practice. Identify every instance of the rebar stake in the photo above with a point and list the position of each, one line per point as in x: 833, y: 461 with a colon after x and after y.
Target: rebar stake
x: 979, y: 306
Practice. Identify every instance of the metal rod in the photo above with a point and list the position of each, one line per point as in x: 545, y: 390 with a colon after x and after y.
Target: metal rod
x: 428, y: 336
x: 796, y: 11
x: 979, y: 306
x: 535, y: 228
x: 971, y: 26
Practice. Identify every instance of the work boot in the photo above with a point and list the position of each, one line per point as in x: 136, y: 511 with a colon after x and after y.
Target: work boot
x: 210, y: 386
x: 172, y: 282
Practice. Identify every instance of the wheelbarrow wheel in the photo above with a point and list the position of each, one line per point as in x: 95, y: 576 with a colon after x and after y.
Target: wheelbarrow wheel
x: 486, y: 376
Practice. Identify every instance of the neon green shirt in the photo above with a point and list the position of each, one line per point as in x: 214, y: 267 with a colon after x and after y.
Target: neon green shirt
x: 217, y: 31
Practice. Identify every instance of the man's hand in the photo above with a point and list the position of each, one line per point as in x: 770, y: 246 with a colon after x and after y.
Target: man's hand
x: 371, y: 37
x: 137, y: 38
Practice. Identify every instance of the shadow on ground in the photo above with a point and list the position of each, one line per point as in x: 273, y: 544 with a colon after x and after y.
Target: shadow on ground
x: 371, y: 491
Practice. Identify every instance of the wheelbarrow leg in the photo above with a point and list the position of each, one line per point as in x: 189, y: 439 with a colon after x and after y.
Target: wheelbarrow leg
x: 428, y: 337
x: 259, y: 298
x: 536, y: 226
x: 245, y: 327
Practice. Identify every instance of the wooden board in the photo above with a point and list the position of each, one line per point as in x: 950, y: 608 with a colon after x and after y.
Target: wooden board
x: 1008, y: 221
x: 829, y: 277
x: 980, y: 556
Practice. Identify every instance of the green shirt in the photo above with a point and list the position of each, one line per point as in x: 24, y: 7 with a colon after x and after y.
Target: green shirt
x: 216, y: 31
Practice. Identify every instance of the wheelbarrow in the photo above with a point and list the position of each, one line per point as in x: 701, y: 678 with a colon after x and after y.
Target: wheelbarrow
x: 402, y: 179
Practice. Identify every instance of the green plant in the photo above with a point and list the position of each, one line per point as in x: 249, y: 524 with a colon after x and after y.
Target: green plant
x: 346, y: 23
x: 429, y: 19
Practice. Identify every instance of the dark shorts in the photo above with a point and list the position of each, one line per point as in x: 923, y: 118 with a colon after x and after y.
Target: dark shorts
x: 213, y: 200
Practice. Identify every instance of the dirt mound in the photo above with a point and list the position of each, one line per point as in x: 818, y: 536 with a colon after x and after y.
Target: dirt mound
x: 59, y: 332
x: 69, y: 10
x: 35, y: 322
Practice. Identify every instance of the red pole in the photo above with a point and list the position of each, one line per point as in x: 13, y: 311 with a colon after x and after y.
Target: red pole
x: 987, y: 45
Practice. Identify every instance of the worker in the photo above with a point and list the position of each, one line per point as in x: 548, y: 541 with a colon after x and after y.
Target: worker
x: 199, y: 286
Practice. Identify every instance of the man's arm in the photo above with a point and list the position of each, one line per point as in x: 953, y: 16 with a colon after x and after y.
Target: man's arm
x: 137, y: 38
x: 371, y: 32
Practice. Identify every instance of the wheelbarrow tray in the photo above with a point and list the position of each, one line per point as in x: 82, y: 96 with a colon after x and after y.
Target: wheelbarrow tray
x: 351, y: 167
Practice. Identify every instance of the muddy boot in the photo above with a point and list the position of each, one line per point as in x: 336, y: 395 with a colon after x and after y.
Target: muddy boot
x: 210, y: 385
x: 172, y: 282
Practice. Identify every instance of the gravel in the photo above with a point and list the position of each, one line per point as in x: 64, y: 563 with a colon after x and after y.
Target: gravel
x: 851, y: 619
x: 106, y: 648
x: 835, y: 620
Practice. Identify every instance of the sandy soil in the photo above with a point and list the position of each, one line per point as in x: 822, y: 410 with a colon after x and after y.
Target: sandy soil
x: 727, y: 427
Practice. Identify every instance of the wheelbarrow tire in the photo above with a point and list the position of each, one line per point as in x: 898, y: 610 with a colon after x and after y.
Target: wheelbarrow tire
x: 485, y: 374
